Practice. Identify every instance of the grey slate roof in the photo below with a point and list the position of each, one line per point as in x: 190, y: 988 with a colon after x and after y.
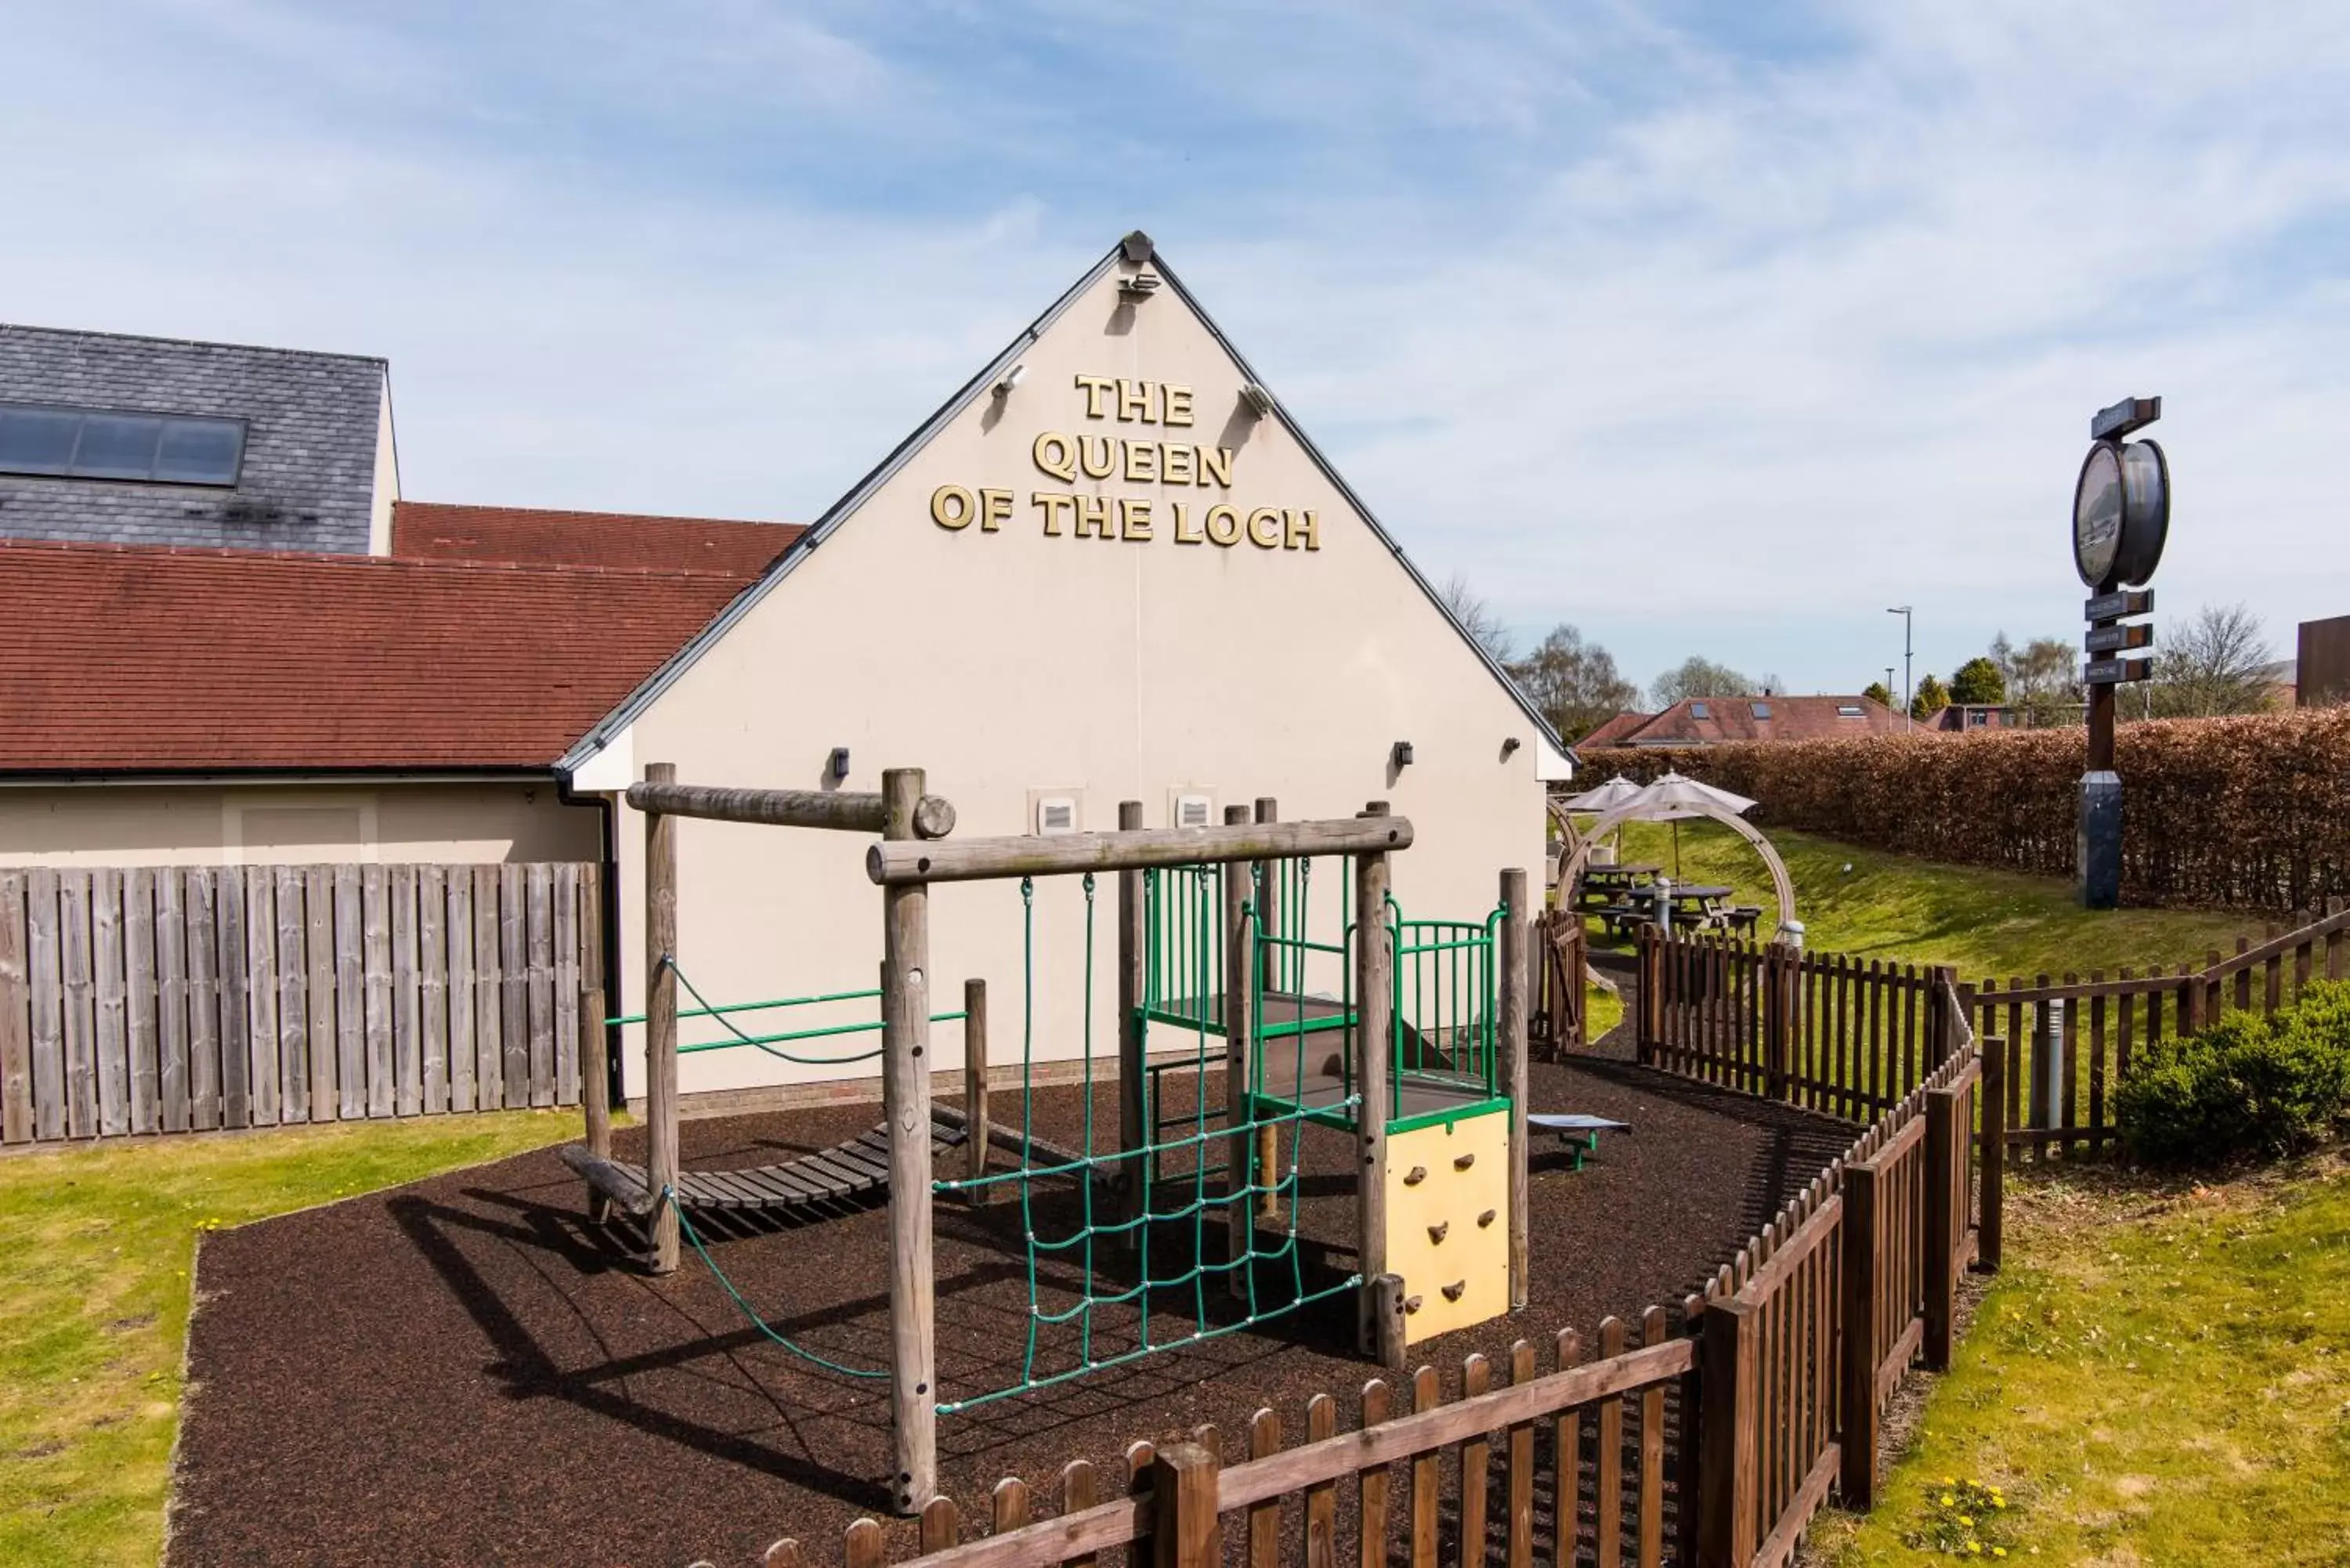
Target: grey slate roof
x: 308, y: 477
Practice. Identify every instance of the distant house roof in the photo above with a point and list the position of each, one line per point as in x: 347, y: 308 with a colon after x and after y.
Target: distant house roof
x: 438, y: 531
x: 305, y: 474
x: 1611, y: 731
x: 127, y: 660
x: 1709, y: 720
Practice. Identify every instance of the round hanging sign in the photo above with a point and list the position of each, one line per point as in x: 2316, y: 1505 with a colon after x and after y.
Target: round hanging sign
x: 2121, y: 515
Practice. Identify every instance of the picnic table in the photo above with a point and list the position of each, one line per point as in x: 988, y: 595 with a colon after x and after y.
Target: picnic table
x: 1609, y: 884
x: 1695, y: 905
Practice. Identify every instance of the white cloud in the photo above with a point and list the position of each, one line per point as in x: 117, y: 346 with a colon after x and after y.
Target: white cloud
x: 1711, y: 337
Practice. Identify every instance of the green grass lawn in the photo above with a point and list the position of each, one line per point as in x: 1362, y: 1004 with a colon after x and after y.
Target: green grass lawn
x: 1991, y: 924
x: 95, y: 1296
x: 2160, y: 1376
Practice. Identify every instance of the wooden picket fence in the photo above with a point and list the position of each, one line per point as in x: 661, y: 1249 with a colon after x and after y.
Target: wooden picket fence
x: 1558, y: 1017
x: 1852, y: 1037
x: 1711, y: 1443
x: 187, y: 998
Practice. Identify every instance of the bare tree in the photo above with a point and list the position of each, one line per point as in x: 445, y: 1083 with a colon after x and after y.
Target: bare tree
x: 2042, y: 679
x: 1695, y: 676
x: 2218, y: 661
x: 1477, y: 617
x: 1572, y: 683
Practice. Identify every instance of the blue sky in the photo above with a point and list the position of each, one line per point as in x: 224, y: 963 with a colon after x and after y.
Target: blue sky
x: 1709, y: 329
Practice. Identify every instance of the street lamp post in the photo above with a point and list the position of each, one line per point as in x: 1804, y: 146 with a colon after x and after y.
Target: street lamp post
x: 1909, y: 692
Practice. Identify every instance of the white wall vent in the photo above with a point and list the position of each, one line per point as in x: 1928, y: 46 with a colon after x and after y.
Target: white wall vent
x: 1057, y: 814
x: 1194, y: 810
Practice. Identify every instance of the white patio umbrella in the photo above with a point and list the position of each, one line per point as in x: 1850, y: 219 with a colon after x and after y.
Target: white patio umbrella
x: 1607, y: 797
x: 1674, y: 797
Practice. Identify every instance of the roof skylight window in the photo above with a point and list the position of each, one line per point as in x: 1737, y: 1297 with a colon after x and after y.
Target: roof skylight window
x: 1760, y: 710
x: 1700, y: 711
x: 99, y: 443
x: 1849, y: 710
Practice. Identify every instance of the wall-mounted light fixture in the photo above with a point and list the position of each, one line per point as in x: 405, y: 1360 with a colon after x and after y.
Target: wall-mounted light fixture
x: 1259, y: 401
x: 838, y: 764
x: 1401, y: 755
x: 1010, y: 379
x: 1140, y: 285
x: 1510, y: 744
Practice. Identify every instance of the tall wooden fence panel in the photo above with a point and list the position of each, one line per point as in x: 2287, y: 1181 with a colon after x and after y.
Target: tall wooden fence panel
x: 187, y: 998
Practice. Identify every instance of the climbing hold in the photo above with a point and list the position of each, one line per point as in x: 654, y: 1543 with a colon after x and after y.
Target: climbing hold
x: 1453, y: 1292
x: 1415, y: 1175
x: 1436, y: 1232
x: 1462, y: 1162
x: 1411, y: 1303
x: 1485, y: 1219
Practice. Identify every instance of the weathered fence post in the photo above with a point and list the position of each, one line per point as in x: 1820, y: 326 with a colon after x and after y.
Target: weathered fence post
x: 1946, y: 1188
x: 661, y: 1022
x: 596, y: 1092
x: 1778, y: 1014
x: 1729, y: 1525
x: 1513, y: 1056
x: 1858, y: 1380
x: 1243, y: 920
x: 974, y: 1089
x: 906, y: 1103
x: 1134, y: 1135
x: 1185, y: 1529
x: 1381, y: 1330
x: 1993, y: 1097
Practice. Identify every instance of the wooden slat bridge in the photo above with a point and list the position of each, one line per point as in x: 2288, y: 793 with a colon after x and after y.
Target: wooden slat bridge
x: 847, y: 1170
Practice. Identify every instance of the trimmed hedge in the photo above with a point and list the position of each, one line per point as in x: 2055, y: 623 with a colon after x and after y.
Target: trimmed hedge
x: 2252, y: 811
x: 2263, y: 1086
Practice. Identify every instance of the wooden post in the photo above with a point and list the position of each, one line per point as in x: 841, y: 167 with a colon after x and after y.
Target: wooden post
x: 595, y: 1092
x: 1778, y: 1016
x: 974, y: 1089
x: 1185, y: 1529
x: 1729, y: 1512
x: 1857, y: 1376
x: 1134, y: 1133
x: 905, y: 1105
x: 1239, y: 1029
x: 660, y: 1021
x: 1515, y: 978
x: 1268, y: 1138
x: 1993, y: 1154
x: 1946, y: 1186
x: 1374, y: 1027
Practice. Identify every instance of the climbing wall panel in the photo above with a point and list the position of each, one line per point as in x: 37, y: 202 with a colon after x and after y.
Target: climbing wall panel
x: 1448, y: 1223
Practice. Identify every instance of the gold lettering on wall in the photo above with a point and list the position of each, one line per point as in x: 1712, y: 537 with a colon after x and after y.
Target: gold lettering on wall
x: 952, y: 506
x: 1057, y: 456
x: 1072, y: 459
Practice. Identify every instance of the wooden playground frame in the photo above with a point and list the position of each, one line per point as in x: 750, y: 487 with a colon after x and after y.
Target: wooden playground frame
x: 912, y: 854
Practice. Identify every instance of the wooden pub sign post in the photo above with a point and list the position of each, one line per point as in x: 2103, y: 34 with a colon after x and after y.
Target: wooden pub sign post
x: 2121, y: 516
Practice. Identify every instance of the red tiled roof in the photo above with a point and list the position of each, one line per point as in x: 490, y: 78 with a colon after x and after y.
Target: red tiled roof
x: 436, y: 530
x: 124, y: 658
x: 1611, y: 731
x: 1791, y: 718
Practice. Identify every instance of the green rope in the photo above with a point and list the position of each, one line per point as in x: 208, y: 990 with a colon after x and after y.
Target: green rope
x: 669, y: 1195
x: 757, y: 1042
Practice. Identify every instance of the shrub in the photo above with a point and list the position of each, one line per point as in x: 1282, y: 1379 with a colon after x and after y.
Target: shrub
x: 2248, y: 1085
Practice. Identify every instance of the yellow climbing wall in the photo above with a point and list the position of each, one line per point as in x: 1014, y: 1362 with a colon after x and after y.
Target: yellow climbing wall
x: 1448, y: 1223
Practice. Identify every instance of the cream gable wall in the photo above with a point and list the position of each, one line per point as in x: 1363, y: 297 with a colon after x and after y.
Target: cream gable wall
x: 1007, y: 662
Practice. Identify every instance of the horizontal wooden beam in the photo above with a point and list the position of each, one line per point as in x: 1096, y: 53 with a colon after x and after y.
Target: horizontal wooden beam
x: 972, y: 860
x: 1424, y: 1432
x: 616, y: 1182
x: 844, y: 811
